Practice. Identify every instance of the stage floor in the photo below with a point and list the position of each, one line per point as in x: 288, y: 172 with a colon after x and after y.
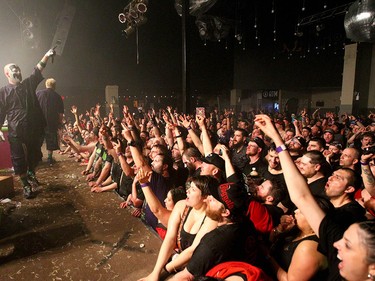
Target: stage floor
x: 69, y: 233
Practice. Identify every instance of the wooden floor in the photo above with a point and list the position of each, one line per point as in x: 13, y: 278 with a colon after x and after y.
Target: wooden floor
x: 69, y: 233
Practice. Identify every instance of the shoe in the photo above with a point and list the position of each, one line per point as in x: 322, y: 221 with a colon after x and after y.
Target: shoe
x: 28, y: 192
x: 51, y: 161
x: 33, y: 180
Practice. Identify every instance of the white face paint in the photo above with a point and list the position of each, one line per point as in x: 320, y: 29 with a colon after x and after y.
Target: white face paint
x: 14, y: 73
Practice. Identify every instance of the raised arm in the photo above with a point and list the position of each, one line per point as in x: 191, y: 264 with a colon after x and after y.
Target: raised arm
x: 153, y: 202
x: 75, y: 113
x: 297, y: 187
x: 207, y: 146
x: 224, y: 153
x: 169, y: 242
x: 367, y: 176
x: 128, y: 171
x: 136, y: 153
x: 194, y: 137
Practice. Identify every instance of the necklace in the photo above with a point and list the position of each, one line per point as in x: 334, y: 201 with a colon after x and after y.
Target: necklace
x: 297, y: 239
x: 304, y: 236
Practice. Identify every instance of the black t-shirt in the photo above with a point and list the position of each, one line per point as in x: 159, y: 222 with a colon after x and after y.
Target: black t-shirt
x: 317, y: 187
x: 260, y: 166
x: 52, y: 105
x: 225, y: 243
x: 279, y: 178
x: 329, y: 233
x: 239, y: 159
x: 275, y: 212
x: 348, y: 214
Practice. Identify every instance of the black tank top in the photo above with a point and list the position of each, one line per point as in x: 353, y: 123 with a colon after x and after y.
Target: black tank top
x: 285, y: 251
x: 185, y: 238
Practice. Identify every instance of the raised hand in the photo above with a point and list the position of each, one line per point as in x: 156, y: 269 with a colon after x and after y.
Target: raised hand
x: 264, y: 122
x: 184, y: 120
x: 74, y: 110
x: 117, y: 146
x: 143, y: 175
x: 200, y: 121
x: 50, y: 53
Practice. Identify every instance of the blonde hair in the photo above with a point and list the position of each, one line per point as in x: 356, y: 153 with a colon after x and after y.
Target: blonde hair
x: 51, y: 83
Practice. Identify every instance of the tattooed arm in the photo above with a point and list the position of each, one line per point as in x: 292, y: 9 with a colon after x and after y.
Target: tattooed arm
x: 367, y: 176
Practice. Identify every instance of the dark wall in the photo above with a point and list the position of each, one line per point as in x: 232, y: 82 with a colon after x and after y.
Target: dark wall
x: 256, y: 69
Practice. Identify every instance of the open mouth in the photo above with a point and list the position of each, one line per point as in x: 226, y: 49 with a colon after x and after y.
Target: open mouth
x: 340, y: 265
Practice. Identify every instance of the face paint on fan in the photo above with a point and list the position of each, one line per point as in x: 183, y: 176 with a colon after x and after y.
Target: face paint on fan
x: 15, y: 74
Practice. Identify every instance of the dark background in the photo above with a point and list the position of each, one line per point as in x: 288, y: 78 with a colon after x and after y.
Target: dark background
x: 96, y: 54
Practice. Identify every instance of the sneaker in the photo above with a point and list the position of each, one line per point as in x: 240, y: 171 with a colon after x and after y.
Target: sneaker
x: 28, y: 192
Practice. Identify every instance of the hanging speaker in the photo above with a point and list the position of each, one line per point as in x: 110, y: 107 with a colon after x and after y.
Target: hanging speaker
x: 359, y: 21
x: 63, y: 27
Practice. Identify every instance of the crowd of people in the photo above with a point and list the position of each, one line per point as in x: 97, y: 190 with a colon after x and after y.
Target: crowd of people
x: 233, y: 196
x: 239, y: 196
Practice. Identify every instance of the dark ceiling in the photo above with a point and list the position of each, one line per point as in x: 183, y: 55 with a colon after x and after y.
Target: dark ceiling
x: 96, y: 54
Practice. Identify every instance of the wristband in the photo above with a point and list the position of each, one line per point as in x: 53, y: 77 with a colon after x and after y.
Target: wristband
x: 132, y: 143
x: 120, y: 154
x: 145, y: 184
x: 42, y: 64
x: 280, y: 148
x: 177, y: 137
x: 363, y: 163
x: 188, y: 128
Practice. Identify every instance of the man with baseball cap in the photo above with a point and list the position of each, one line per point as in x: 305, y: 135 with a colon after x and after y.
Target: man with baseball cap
x: 256, y: 150
x: 213, y: 165
x: 296, y: 146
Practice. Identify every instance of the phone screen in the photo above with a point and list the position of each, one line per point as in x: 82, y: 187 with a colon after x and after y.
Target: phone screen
x: 201, y: 111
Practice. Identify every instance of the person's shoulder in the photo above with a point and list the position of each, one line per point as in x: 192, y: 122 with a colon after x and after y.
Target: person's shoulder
x: 180, y: 207
x: 307, y: 247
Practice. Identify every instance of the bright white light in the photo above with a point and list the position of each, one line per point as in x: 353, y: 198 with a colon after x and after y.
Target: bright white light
x: 363, y: 16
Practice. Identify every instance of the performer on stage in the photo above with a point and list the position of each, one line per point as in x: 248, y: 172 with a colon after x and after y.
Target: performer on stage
x: 20, y: 106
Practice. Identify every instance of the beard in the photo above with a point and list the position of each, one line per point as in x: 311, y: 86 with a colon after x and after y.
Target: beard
x: 214, y: 214
x: 237, y: 145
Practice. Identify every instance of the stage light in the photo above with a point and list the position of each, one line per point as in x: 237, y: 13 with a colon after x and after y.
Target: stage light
x: 133, y: 15
x: 128, y: 30
x: 122, y: 18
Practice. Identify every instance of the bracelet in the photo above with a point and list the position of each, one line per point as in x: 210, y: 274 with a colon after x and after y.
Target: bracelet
x: 145, y: 184
x: 120, y: 154
x: 363, y: 163
x: 42, y: 64
x: 188, y: 128
x: 178, y: 136
x: 280, y: 148
x: 276, y: 231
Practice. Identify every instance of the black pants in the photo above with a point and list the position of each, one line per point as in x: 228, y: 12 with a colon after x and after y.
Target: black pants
x: 25, y: 154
